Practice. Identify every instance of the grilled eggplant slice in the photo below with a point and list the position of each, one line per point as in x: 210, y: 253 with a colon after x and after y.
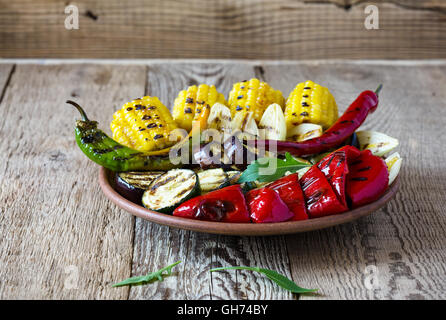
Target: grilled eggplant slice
x: 169, y: 190
x: 131, y: 185
x: 212, y: 179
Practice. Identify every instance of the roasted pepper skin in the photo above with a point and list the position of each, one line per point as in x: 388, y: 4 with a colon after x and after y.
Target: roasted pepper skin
x: 344, y: 127
x: 103, y: 150
x: 290, y: 192
x: 266, y: 206
x: 368, y: 179
x: 335, y: 167
x: 320, y: 198
x: 226, y: 205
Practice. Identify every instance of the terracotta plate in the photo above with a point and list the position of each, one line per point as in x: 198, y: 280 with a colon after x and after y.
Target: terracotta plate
x: 241, y: 229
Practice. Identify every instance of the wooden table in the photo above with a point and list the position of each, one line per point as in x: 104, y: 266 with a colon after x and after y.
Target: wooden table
x: 61, y: 238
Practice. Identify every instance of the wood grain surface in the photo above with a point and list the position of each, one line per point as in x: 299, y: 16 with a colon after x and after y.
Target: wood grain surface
x: 201, y: 252
x: 60, y: 237
x: 63, y: 239
x: 231, y: 29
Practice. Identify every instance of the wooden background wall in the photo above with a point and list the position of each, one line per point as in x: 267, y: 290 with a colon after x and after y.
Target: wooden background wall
x: 253, y: 29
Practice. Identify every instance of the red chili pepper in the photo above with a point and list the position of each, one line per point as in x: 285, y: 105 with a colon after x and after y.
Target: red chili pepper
x: 226, y: 205
x: 344, y: 127
x: 320, y: 198
x: 335, y: 167
x: 368, y: 179
x: 265, y: 205
x: 291, y: 193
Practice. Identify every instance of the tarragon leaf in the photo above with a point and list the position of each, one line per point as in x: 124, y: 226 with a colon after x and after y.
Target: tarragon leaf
x: 277, y: 278
x: 253, y: 171
x: 148, y: 278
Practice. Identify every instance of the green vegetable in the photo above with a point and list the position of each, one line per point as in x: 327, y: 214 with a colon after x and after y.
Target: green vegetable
x: 170, y: 189
x: 212, y: 179
x: 290, y: 164
x: 105, y: 151
x: 279, y: 279
x: 148, y: 278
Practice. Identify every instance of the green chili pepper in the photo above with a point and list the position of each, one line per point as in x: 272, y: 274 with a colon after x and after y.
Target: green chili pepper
x: 112, y: 155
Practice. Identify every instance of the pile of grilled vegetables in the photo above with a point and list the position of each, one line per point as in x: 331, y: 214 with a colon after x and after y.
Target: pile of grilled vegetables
x: 204, y: 160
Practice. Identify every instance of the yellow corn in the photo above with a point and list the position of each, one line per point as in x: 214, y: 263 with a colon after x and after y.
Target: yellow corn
x: 310, y: 103
x: 255, y: 96
x: 194, y: 104
x: 143, y: 124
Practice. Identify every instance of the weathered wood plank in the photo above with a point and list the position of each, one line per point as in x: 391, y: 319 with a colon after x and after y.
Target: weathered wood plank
x: 157, y: 246
x: 402, y: 246
x: 61, y: 238
x: 5, y: 75
x: 254, y: 29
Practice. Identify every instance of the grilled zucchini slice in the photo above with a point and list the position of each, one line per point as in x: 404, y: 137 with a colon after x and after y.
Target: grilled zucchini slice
x: 131, y: 185
x: 169, y: 190
x: 212, y: 179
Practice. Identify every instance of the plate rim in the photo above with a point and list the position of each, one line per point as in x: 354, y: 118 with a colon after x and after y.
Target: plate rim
x: 242, y: 229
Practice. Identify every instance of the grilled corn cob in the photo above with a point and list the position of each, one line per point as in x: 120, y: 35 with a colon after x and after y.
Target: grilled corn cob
x: 194, y: 104
x: 254, y: 96
x: 143, y: 124
x: 310, y: 103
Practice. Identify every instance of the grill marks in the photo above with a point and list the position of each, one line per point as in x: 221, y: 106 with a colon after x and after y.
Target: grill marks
x: 170, y: 189
x: 95, y: 137
x: 315, y: 197
x: 161, y: 182
x: 359, y: 179
x: 139, y: 179
x: 151, y: 125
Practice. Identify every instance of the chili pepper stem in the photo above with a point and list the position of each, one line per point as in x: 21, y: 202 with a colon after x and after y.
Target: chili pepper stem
x: 379, y: 89
x: 79, y: 108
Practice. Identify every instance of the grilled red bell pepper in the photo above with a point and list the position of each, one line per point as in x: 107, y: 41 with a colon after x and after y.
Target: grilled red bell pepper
x: 265, y: 205
x: 343, y: 128
x: 320, y: 198
x: 368, y: 179
x: 291, y: 193
x: 335, y: 167
x: 226, y: 205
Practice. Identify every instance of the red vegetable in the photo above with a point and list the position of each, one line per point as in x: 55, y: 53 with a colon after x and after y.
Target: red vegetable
x: 290, y: 192
x: 226, y: 205
x: 344, y: 127
x: 320, y: 198
x: 367, y: 180
x: 335, y: 168
x: 265, y: 205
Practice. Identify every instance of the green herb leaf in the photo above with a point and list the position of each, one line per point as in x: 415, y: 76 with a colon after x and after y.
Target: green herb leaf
x: 279, y: 279
x: 252, y: 172
x: 148, y: 278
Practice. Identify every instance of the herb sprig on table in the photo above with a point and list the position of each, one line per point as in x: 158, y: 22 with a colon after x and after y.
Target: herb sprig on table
x: 277, y: 278
x: 148, y: 278
x: 159, y: 275
x: 253, y: 171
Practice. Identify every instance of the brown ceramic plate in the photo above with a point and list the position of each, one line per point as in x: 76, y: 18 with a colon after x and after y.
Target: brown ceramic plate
x: 241, y: 229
